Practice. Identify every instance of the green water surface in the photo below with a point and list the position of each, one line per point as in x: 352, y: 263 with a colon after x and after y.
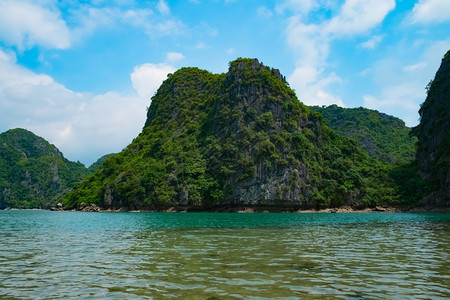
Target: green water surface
x: 60, y: 255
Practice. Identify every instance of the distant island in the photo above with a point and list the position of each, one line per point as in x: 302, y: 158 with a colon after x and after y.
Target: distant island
x: 34, y: 173
x: 383, y: 137
x: 242, y: 140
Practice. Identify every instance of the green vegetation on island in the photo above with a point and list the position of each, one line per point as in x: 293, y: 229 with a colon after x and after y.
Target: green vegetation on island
x: 383, y: 137
x: 433, y: 132
x: 243, y: 139
x: 34, y: 173
x: 240, y: 138
x: 98, y: 163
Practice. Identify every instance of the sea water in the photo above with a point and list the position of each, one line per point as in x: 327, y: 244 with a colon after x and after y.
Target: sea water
x: 61, y: 255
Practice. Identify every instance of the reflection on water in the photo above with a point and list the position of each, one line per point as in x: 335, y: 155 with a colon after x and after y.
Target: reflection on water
x: 214, y: 256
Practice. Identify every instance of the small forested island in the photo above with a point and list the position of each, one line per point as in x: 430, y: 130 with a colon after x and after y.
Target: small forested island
x: 34, y: 173
x: 223, y: 142
x: 382, y: 136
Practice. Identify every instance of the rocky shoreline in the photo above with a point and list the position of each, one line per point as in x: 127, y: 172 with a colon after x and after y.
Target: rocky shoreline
x: 344, y: 209
x: 243, y: 209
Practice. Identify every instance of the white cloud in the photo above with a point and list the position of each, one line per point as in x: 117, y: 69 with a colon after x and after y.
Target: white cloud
x: 162, y: 7
x: 91, y: 125
x: 310, y: 42
x: 307, y: 41
x: 87, y: 20
x: 310, y: 86
x: 372, y: 43
x: 83, y: 126
x: 166, y: 27
x: 231, y: 51
x: 90, y: 19
x: 147, y: 78
x: 399, y: 100
x: 430, y: 11
x: 402, y: 86
x: 25, y: 24
x: 358, y: 16
x: 414, y: 67
x: 173, y: 57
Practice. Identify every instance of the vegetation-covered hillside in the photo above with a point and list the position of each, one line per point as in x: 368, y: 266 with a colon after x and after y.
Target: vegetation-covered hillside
x: 384, y: 137
x: 433, y: 132
x: 33, y: 173
x: 98, y: 163
x: 235, y: 139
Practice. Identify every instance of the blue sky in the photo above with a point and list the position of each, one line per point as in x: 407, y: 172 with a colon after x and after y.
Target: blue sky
x: 81, y: 73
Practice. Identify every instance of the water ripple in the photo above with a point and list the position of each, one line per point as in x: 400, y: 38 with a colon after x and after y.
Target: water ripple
x: 46, y: 255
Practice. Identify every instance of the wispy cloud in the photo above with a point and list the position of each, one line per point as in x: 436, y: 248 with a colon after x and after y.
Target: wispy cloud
x: 310, y: 86
x: 401, y: 99
x: 82, y: 125
x: 162, y: 7
x: 430, y: 11
x: 358, y: 16
x: 174, y: 57
x: 148, y: 77
x: 401, y: 86
x: 25, y: 24
x: 414, y: 67
x: 372, y: 43
x: 310, y: 42
x: 88, y: 20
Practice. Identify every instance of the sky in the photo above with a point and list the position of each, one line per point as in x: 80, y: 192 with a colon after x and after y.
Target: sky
x: 81, y: 74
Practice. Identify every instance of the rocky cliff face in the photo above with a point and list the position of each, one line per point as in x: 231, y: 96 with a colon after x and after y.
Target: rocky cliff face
x: 262, y: 110
x: 33, y: 173
x: 433, y: 133
x: 235, y: 139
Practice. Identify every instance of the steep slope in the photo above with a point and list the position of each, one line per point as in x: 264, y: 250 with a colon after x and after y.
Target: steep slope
x: 384, y: 137
x: 94, y: 166
x: 433, y: 133
x: 33, y: 173
x: 235, y: 139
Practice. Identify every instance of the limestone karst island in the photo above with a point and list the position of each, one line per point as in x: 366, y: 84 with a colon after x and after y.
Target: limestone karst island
x: 223, y: 142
